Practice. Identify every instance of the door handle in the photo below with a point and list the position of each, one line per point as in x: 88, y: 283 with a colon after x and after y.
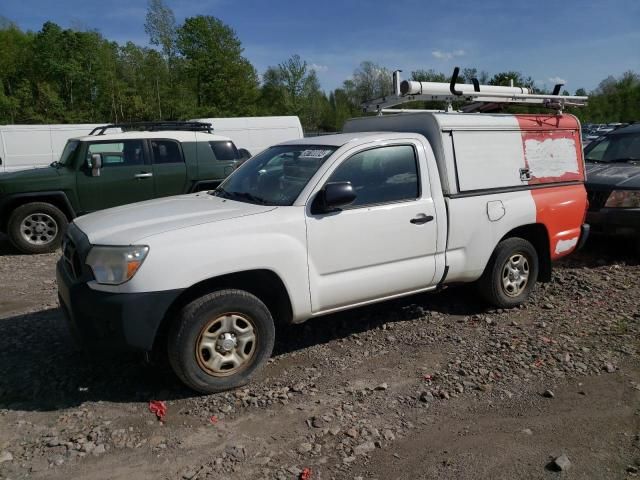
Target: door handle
x: 422, y: 218
x: 143, y: 175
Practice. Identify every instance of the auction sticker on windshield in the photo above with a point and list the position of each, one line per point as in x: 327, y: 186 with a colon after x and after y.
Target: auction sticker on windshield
x: 315, y: 153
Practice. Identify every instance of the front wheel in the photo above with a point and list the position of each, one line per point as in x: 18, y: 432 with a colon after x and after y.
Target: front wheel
x: 220, y: 341
x: 37, y: 227
x: 511, y: 273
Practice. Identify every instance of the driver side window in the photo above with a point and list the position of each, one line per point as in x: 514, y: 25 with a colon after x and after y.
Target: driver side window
x: 121, y: 153
x: 381, y: 175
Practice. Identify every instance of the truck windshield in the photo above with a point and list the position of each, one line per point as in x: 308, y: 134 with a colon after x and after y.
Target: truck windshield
x: 614, y: 148
x: 275, y: 176
x: 68, y: 152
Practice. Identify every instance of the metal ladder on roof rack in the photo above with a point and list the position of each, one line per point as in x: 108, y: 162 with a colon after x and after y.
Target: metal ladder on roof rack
x: 482, y: 97
x: 155, y: 127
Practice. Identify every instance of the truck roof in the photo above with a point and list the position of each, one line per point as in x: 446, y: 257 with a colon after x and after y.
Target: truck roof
x: 179, y: 135
x: 341, y: 139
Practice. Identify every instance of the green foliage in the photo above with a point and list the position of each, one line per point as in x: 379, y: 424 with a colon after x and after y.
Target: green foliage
x: 198, y: 69
x: 224, y: 82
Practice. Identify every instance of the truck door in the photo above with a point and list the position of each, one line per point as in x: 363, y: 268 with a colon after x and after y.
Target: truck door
x: 125, y: 176
x: 384, y: 243
x: 169, y: 169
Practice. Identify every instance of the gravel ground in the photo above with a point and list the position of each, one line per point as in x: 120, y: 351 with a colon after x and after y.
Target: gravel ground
x: 432, y: 386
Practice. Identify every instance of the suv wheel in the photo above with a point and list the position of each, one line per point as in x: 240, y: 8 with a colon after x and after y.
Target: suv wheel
x: 37, y: 227
x: 510, y: 274
x: 221, y: 340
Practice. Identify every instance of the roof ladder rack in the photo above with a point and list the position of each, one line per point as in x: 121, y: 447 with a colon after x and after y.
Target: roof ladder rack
x: 481, y: 97
x: 155, y: 127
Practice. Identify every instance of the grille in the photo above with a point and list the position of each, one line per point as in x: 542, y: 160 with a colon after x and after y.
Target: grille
x: 597, y: 199
x: 71, y: 258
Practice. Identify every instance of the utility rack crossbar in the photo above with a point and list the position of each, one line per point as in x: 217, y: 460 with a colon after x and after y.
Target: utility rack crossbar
x: 155, y: 127
x: 482, y: 97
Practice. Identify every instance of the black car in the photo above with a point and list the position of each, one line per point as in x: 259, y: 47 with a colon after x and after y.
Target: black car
x: 613, y: 182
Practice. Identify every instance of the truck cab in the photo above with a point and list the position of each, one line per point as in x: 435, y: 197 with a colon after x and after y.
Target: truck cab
x: 106, y: 170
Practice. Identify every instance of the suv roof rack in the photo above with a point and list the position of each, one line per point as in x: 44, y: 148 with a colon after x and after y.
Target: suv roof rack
x: 155, y: 127
x: 483, y: 97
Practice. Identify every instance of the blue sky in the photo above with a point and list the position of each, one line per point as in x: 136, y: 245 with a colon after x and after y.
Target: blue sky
x: 581, y: 42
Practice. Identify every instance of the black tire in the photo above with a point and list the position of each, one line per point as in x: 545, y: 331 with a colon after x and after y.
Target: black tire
x: 53, y: 220
x: 187, y: 357
x: 491, y: 285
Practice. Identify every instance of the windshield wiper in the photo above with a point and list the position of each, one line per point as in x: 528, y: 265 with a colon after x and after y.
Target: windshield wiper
x: 221, y: 192
x: 252, y: 198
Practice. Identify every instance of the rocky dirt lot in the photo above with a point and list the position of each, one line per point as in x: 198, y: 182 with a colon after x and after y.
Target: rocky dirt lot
x: 432, y: 386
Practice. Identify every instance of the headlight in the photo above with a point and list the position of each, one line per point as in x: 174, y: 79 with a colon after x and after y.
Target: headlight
x: 623, y: 199
x: 116, y: 265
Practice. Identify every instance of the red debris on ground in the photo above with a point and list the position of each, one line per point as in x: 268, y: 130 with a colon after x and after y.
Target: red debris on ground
x: 159, y: 408
x: 305, y: 474
x: 213, y: 419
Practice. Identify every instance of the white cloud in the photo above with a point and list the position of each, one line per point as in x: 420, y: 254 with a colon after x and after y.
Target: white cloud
x: 440, y: 55
x: 556, y: 80
x: 319, y: 68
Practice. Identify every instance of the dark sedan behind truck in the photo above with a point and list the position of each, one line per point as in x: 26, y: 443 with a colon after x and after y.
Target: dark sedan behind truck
x: 613, y: 183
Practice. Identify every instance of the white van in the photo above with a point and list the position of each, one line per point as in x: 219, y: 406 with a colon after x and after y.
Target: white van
x: 256, y: 133
x: 30, y: 146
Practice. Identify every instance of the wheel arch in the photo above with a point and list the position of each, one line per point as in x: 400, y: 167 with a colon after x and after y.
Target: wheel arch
x: 263, y: 283
x: 538, y: 235
x: 56, y: 198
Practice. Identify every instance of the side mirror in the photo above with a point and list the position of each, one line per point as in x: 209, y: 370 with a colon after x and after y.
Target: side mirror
x: 244, y: 154
x: 95, y: 163
x: 337, y: 195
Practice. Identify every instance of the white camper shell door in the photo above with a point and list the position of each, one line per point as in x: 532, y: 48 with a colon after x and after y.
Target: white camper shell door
x: 486, y: 160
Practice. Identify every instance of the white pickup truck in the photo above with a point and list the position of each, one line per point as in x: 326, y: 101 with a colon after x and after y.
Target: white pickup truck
x: 400, y: 204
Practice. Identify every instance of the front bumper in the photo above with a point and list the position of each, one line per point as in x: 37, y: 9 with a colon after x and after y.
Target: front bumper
x: 615, y: 221
x: 111, y: 321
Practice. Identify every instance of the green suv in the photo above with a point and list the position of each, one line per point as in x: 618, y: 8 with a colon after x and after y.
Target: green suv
x: 105, y: 170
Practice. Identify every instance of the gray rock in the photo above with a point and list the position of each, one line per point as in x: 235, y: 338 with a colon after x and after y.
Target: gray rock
x: 352, y: 432
x: 426, y: 397
x: 388, y: 435
x: 548, y: 394
x: 609, y: 367
x: 305, y: 447
x: 6, y: 457
x: 99, y: 450
x: 562, y: 463
x: 382, y: 386
x: 88, y: 447
x: 318, y: 422
x: 364, y: 448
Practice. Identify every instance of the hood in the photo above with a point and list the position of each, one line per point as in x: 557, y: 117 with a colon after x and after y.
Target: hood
x: 612, y: 175
x: 30, y: 174
x: 132, y: 223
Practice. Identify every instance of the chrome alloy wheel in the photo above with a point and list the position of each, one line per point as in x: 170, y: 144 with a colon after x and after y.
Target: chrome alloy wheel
x: 226, y: 345
x: 38, y: 229
x: 515, y: 275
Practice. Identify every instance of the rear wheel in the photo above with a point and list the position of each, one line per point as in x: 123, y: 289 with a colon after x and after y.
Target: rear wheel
x: 220, y: 341
x: 37, y: 227
x: 510, y: 274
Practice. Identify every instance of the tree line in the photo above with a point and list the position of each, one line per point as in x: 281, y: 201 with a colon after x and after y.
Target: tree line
x: 197, y: 70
